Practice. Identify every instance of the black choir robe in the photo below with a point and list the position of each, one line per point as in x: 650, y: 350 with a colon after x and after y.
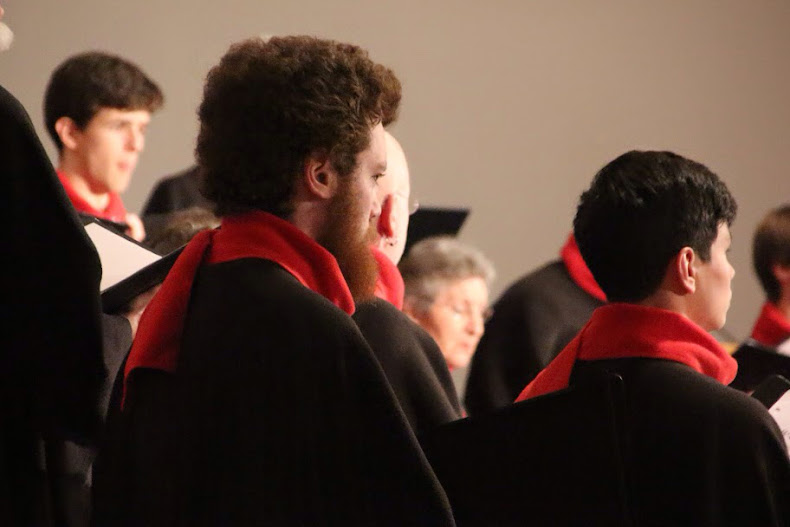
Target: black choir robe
x: 697, y: 453
x: 413, y: 364
x: 278, y: 413
x: 533, y: 321
x: 50, y: 347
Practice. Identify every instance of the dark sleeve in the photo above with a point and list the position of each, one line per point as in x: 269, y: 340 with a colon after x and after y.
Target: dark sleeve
x: 413, y: 364
x: 532, y: 322
x: 174, y: 193
x: 117, y: 340
x: 52, y: 350
x: 160, y: 200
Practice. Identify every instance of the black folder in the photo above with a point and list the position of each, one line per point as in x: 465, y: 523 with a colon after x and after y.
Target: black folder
x: 756, y: 363
x: 434, y: 221
x: 771, y: 390
x: 553, y: 460
x: 141, y: 268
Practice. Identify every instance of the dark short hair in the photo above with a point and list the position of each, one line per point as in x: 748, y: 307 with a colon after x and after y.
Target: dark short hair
x: 85, y: 83
x: 269, y: 104
x: 771, y: 246
x: 640, y: 211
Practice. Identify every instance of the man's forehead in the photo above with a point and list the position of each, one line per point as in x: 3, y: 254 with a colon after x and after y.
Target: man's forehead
x: 107, y: 114
x: 397, y: 168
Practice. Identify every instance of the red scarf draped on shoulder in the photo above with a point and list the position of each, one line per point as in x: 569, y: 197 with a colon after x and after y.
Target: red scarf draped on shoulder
x: 250, y: 235
x: 114, y: 211
x: 579, y: 271
x: 389, y: 284
x: 618, y: 331
x: 772, y: 327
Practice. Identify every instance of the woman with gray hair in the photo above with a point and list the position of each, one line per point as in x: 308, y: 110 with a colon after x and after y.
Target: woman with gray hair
x: 447, y: 294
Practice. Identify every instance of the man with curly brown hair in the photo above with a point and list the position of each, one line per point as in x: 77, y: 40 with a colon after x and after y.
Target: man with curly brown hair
x: 249, y: 396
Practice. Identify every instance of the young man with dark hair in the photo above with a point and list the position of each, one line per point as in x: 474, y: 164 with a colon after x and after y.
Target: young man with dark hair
x: 249, y: 396
x: 654, y: 229
x: 771, y: 259
x: 97, y: 107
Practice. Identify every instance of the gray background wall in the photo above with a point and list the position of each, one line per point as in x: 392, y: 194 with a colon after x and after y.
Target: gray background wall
x: 510, y: 106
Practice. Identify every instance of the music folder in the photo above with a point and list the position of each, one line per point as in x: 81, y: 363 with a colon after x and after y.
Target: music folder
x: 128, y: 267
x: 774, y: 393
x: 434, y: 221
x: 756, y: 363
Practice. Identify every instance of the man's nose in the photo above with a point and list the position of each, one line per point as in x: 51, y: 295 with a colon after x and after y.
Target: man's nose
x: 135, y: 140
x: 474, y: 324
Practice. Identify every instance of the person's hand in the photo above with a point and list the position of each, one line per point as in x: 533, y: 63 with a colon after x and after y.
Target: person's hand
x: 137, y: 306
x: 136, y: 229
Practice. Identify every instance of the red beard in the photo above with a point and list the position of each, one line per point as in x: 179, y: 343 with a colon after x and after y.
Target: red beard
x: 342, y: 238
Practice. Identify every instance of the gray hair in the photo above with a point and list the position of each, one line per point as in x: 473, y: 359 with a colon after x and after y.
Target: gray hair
x: 435, y: 262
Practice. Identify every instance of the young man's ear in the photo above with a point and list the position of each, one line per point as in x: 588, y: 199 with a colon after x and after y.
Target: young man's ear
x: 320, y: 178
x: 67, y: 131
x: 684, y: 271
x: 384, y: 227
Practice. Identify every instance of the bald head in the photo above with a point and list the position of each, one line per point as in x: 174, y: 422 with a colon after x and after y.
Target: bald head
x: 394, y: 190
x: 6, y: 35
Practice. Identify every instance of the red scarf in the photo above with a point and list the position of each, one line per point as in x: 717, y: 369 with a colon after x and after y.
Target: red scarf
x: 251, y: 235
x: 389, y: 284
x: 772, y: 327
x: 114, y: 211
x: 579, y: 271
x: 619, y: 331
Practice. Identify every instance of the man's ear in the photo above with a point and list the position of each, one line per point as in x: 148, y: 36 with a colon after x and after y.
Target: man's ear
x: 384, y: 226
x: 684, y: 270
x: 67, y: 131
x: 321, y: 179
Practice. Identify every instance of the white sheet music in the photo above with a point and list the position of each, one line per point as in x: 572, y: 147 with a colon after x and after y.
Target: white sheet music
x: 781, y: 414
x: 784, y: 348
x: 119, y: 257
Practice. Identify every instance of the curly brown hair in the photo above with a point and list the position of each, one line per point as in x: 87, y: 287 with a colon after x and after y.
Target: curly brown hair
x: 269, y: 104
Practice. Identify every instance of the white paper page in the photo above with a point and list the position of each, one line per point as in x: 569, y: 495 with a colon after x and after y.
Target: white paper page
x: 119, y: 257
x: 784, y: 348
x: 781, y: 414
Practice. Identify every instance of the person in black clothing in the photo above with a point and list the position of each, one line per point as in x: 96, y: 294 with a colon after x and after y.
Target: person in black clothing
x: 654, y: 229
x: 250, y: 396
x: 411, y: 360
x: 58, y: 352
x: 51, y: 344
x: 532, y: 321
